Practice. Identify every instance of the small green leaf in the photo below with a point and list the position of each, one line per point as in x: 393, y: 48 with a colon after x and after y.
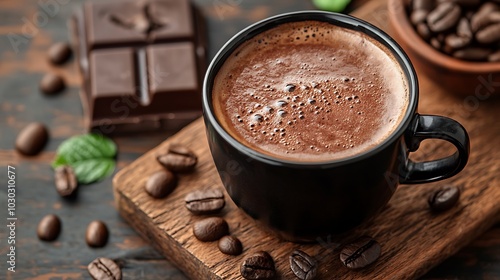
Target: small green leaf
x: 90, y: 155
x: 92, y: 170
x: 331, y: 5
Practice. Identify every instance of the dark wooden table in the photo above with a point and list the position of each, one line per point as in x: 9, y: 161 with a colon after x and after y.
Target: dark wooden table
x: 27, y: 31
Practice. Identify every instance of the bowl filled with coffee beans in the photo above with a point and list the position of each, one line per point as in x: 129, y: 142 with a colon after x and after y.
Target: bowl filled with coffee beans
x: 456, y: 43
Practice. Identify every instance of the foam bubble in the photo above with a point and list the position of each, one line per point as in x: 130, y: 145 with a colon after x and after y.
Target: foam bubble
x: 281, y: 103
x: 258, y: 118
x: 290, y: 88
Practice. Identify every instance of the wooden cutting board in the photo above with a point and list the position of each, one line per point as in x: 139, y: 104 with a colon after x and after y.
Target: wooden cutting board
x: 413, y: 239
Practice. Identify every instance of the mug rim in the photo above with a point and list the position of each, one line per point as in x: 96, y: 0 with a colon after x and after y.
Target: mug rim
x: 342, y: 20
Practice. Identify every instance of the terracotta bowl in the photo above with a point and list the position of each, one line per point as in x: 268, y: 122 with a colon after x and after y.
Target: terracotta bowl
x: 454, y: 75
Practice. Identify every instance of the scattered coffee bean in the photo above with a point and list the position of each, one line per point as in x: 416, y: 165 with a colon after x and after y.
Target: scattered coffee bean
x: 210, y: 229
x: 360, y: 253
x: 230, y: 245
x: 161, y: 183
x: 181, y: 150
x: 59, y: 53
x: 52, y: 84
x: 49, y: 228
x: 178, y: 159
x: 104, y: 269
x: 444, y: 199
x: 444, y: 17
x: 258, y: 266
x: 97, y: 234
x: 303, y: 265
x: 32, y: 139
x: 65, y: 180
x: 204, y: 202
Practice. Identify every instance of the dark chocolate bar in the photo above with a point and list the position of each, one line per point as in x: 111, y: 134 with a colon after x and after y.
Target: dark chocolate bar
x: 142, y: 64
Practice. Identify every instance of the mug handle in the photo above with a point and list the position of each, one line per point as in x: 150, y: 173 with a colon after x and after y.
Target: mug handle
x: 434, y: 127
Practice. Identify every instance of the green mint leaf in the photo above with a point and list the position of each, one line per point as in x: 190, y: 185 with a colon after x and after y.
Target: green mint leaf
x: 90, y: 155
x: 91, y: 170
x: 331, y: 5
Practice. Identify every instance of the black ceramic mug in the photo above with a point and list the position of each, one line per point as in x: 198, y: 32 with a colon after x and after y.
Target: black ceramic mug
x: 307, y: 199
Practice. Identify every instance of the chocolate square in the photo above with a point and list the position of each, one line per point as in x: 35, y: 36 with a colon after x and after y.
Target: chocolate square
x: 142, y: 63
x: 112, y: 74
x: 174, y: 17
x: 112, y: 24
x: 172, y: 68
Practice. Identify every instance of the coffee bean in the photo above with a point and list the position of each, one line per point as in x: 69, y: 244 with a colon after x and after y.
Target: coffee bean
x: 489, y: 34
x: 104, y: 269
x: 494, y: 57
x: 418, y: 16
x: 436, y: 43
x: 303, y: 265
x: 210, y: 229
x: 181, y: 150
x: 59, y: 53
x: 65, y: 180
x: 260, y: 265
x: 424, y: 5
x: 178, y: 159
x: 161, y: 183
x: 423, y: 31
x: 230, y: 245
x: 470, y: 30
x: 49, y: 228
x: 464, y: 29
x: 360, y: 253
x: 31, y: 140
x: 444, y: 199
x: 52, y: 84
x: 494, y: 17
x: 454, y: 42
x: 482, y: 17
x: 444, y: 17
x: 205, y: 201
x: 420, y: 11
x: 97, y: 234
x: 472, y: 53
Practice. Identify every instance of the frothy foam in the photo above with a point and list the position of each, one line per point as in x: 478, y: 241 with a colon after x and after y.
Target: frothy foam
x: 310, y: 91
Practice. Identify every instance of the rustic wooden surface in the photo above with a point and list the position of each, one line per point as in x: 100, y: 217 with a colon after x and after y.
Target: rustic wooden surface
x: 67, y: 258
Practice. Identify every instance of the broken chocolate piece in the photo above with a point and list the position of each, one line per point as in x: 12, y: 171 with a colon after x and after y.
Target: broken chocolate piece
x: 142, y: 64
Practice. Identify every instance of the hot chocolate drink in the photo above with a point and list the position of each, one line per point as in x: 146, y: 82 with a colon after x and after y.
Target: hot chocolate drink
x: 310, y: 91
